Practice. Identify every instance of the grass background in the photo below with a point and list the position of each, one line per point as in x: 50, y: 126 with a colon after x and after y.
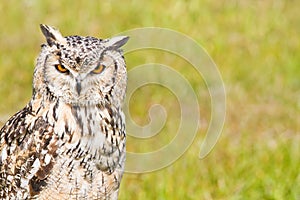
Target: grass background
x: 256, y: 46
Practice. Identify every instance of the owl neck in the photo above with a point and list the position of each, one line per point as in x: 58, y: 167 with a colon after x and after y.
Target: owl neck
x: 90, y: 119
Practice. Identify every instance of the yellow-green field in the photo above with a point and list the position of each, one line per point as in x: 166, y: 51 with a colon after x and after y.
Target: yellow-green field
x: 256, y: 46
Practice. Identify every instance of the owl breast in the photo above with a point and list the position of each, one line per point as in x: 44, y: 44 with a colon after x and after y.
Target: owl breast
x: 90, y: 152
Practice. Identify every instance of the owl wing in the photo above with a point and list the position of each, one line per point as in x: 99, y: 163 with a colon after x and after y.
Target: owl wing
x: 27, y: 148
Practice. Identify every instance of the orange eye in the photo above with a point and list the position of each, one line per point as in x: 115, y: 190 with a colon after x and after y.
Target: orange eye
x: 99, y: 69
x: 61, y: 68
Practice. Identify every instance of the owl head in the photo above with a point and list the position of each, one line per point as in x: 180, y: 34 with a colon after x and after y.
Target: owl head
x: 81, y: 70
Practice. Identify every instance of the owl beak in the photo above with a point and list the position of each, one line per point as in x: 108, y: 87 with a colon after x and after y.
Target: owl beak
x: 78, y: 87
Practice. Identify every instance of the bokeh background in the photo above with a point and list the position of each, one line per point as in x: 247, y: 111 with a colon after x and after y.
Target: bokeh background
x: 255, y: 45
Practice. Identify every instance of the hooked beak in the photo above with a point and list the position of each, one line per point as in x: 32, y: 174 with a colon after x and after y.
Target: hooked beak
x: 78, y: 86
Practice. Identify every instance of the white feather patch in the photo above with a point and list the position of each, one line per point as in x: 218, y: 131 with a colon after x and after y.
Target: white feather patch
x: 3, y: 154
x: 47, y: 159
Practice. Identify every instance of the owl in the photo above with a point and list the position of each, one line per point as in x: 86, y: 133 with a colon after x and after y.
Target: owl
x: 69, y: 140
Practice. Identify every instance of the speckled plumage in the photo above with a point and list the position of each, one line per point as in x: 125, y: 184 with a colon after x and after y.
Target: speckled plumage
x: 69, y: 140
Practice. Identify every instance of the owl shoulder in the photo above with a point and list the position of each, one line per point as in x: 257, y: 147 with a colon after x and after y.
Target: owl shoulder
x: 27, y: 152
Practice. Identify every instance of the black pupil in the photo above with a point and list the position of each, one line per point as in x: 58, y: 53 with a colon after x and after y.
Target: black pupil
x: 60, y: 68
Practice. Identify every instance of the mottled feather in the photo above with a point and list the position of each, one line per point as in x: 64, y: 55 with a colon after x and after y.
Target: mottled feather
x: 67, y: 144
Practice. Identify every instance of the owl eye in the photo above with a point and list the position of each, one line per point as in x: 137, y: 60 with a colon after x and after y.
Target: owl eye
x: 61, y: 68
x: 99, y: 69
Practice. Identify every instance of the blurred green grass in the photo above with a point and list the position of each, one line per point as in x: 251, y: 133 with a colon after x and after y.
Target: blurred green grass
x: 256, y: 46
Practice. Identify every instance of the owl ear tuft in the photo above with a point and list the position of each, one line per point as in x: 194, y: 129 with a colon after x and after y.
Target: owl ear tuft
x: 53, y: 36
x: 117, y: 42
